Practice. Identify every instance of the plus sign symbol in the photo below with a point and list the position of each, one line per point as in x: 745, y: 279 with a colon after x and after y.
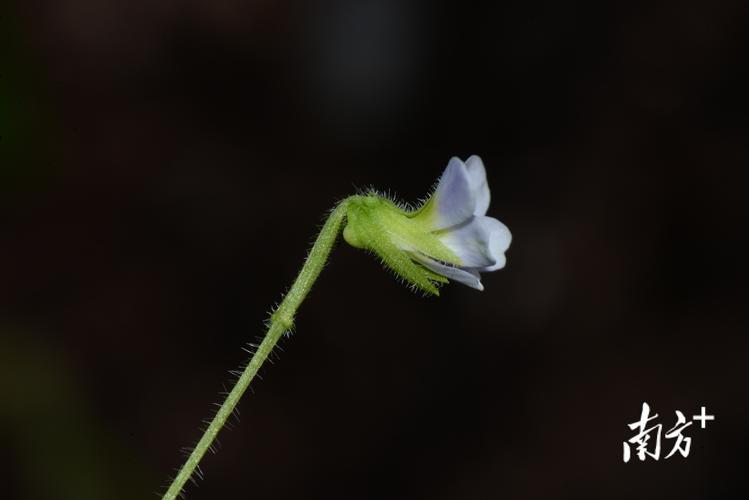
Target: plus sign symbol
x: 703, y: 418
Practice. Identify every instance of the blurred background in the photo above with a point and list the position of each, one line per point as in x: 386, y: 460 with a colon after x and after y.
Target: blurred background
x: 164, y: 167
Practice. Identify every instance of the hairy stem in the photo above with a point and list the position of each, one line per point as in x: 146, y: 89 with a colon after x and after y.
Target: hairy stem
x: 281, y: 321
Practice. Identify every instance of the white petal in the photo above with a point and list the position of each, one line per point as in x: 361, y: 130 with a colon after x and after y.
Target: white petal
x: 468, y: 277
x: 470, y: 242
x: 499, y: 241
x: 453, y: 199
x: 479, y: 186
x: 480, y: 243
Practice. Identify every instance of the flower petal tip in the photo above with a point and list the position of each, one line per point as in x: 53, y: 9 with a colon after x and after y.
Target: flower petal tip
x: 478, y: 184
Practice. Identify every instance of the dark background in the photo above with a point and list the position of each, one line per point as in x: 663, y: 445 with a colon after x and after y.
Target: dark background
x: 165, y: 166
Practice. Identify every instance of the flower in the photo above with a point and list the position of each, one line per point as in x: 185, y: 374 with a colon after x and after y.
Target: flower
x: 456, y: 214
x: 449, y: 237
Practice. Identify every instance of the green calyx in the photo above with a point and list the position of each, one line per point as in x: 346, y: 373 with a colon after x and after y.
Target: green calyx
x: 397, y: 236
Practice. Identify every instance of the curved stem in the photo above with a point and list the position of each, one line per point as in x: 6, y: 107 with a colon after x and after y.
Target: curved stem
x: 281, y: 321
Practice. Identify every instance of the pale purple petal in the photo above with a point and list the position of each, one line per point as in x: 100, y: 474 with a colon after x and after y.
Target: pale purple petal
x: 481, y: 243
x: 479, y: 186
x: 453, y: 198
x: 499, y: 241
x: 470, y: 242
x: 468, y: 277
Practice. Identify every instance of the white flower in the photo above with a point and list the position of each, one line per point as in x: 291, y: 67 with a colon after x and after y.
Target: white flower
x: 456, y: 215
x: 448, y: 238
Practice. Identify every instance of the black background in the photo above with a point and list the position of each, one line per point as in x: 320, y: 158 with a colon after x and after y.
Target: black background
x: 165, y: 166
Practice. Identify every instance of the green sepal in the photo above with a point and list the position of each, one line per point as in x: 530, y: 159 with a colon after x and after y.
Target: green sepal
x: 377, y: 224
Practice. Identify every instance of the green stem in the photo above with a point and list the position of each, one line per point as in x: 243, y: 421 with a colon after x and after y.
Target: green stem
x: 281, y: 321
